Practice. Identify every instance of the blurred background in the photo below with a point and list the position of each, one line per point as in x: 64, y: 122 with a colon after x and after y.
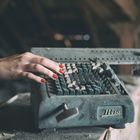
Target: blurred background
x: 66, y: 23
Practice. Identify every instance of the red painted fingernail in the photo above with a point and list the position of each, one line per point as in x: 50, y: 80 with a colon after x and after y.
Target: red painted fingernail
x: 61, y: 71
x: 54, y: 76
x: 61, y: 66
x: 43, y: 81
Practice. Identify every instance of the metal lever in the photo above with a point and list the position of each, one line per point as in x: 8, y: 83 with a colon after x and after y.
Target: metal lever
x: 67, y: 113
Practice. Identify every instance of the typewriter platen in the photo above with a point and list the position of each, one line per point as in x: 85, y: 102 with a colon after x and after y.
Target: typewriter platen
x: 88, y: 94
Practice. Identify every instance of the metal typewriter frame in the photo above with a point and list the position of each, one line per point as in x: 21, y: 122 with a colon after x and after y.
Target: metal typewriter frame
x: 113, y: 56
x: 42, y: 103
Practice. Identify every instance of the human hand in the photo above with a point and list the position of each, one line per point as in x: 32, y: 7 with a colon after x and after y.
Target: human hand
x: 24, y: 65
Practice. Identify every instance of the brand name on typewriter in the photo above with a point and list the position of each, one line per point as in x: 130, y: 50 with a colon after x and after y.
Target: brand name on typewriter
x: 109, y: 111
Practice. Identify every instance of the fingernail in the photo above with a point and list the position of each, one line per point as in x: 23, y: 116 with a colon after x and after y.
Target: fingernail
x: 43, y: 81
x: 61, y: 71
x: 61, y: 66
x: 54, y: 76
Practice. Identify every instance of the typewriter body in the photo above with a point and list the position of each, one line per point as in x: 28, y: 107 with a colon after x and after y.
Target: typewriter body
x: 88, y: 94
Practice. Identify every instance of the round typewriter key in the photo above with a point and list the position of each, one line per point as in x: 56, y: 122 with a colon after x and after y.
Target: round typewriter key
x: 83, y: 88
x: 80, y: 70
x: 65, y: 70
x: 89, y: 66
x: 97, y: 91
x: 107, y: 92
x: 74, y: 82
x: 104, y: 66
x: 65, y: 91
x: 75, y: 70
x: 66, y: 75
x: 73, y: 64
x: 62, y: 80
x: 78, y: 65
x: 59, y: 91
x: 68, y: 81
x: 78, y: 92
x: 57, y: 84
x: 91, y: 91
x: 84, y: 92
x: 68, y: 67
x: 77, y: 88
x: 85, y: 69
x: 63, y: 85
x: 68, y: 64
x: 71, y: 91
x: 108, y: 73
x: 70, y: 85
x: 101, y: 70
x: 69, y: 71
x: 93, y: 64
x: 113, y: 80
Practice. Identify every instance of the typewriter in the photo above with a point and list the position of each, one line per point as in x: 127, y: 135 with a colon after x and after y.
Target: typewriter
x: 88, y: 94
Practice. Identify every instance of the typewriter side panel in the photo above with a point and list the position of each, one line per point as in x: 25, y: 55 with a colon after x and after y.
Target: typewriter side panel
x: 38, y: 93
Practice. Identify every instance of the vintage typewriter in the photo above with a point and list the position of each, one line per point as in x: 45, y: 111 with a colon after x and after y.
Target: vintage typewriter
x: 88, y: 94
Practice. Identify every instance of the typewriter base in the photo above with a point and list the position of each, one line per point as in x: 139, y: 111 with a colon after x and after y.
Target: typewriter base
x: 89, y: 110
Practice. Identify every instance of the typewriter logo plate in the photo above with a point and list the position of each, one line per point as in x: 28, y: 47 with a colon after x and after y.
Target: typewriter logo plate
x: 107, y: 112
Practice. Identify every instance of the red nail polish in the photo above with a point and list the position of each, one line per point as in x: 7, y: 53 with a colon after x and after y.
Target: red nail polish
x: 61, y: 66
x: 54, y: 76
x: 61, y: 71
x: 43, y: 81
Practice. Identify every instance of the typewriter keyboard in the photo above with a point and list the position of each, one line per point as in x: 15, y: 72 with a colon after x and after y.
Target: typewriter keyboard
x: 85, y: 79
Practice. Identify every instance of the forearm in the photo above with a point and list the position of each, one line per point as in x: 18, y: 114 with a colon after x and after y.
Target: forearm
x: 5, y: 71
